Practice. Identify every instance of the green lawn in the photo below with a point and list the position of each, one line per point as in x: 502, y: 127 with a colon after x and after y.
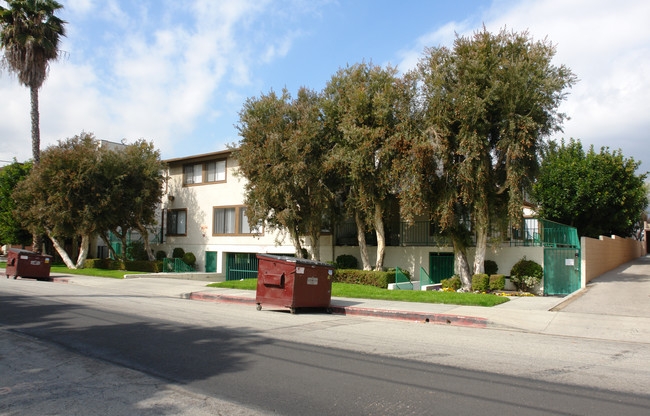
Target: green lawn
x: 115, y: 274
x: 347, y: 290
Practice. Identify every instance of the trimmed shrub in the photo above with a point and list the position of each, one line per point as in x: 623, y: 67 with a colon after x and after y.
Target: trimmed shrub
x: 490, y: 267
x: 364, y: 277
x: 480, y: 282
x: 135, y: 251
x: 160, y: 255
x: 526, y: 274
x: 178, y: 253
x: 144, y: 266
x: 497, y: 282
x: 346, y: 261
x: 451, y: 283
x: 107, y: 264
x: 189, y: 258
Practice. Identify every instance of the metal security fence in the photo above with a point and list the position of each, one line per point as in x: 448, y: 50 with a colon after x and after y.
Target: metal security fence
x: 176, y: 266
x: 241, y: 266
x: 402, y: 281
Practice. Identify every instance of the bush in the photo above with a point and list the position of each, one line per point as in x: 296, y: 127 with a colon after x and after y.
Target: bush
x: 135, y: 251
x: 526, y: 274
x: 106, y: 264
x: 480, y: 282
x: 346, y: 261
x: 144, y: 266
x: 451, y: 283
x: 497, y: 282
x: 490, y: 267
x: 178, y: 253
x: 189, y: 258
x: 161, y: 255
x: 364, y: 277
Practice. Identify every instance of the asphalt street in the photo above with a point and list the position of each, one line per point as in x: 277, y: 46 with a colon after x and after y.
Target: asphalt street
x: 241, y: 365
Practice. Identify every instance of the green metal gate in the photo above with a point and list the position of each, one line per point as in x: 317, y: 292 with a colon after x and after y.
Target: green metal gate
x: 210, y: 261
x: 441, y: 266
x: 561, y: 270
x: 241, y: 266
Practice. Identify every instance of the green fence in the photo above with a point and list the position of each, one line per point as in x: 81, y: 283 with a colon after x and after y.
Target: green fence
x: 424, y: 278
x: 176, y: 266
x: 241, y: 266
x: 536, y: 232
x: 402, y: 281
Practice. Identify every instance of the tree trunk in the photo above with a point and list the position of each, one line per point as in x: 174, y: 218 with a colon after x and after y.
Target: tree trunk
x: 37, y: 243
x: 381, y: 237
x: 83, y: 251
x: 61, y: 250
x: 36, y: 131
x: 315, y: 243
x: 361, y: 238
x: 145, y: 242
x: 481, y: 248
x: 461, y: 265
x: 122, y: 236
x: 295, y: 239
x: 111, y: 250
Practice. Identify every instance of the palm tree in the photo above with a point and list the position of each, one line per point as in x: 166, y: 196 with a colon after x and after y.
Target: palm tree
x: 29, y: 35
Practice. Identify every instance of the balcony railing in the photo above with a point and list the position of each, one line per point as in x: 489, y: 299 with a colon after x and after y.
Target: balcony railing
x: 531, y: 232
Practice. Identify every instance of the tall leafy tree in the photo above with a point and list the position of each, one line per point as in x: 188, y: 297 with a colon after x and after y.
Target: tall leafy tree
x: 132, y: 180
x: 61, y: 196
x: 486, y: 106
x: 11, y: 232
x: 281, y: 154
x: 599, y: 193
x: 80, y: 189
x: 30, y: 34
x: 360, y: 104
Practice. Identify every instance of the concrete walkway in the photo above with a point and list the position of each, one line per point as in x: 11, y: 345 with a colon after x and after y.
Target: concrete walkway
x: 614, y: 306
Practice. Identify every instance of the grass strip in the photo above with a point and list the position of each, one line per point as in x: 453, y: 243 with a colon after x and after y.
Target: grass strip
x: 114, y: 274
x: 348, y: 290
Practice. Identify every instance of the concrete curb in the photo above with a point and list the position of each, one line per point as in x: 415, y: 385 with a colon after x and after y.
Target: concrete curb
x: 435, y: 318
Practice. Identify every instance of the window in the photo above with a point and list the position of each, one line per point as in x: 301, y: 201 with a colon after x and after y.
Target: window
x: 215, y: 171
x: 231, y: 220
x: 176, y: 222
x: 208, y: 172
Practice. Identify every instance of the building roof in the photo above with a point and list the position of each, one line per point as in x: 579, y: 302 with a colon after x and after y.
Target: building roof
x: 204, y: 156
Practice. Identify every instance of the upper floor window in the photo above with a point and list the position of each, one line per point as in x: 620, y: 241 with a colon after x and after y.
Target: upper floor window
x: 204, y: 172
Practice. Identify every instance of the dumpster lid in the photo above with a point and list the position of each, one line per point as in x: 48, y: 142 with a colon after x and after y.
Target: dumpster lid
x: 290, y: 259
x: 27, y: 252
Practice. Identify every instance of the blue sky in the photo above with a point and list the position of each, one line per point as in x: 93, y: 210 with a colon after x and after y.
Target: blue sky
x: 177, y: 72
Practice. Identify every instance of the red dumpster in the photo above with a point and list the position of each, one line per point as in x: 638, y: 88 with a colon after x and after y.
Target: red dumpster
x: 26, y: 263
x: 293, y: 283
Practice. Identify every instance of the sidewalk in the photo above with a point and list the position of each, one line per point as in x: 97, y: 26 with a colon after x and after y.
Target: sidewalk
x: 547, y: 315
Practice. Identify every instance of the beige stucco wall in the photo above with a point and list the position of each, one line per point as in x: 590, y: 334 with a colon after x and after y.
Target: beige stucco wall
x: 199, y: 201
x: 604, y: 254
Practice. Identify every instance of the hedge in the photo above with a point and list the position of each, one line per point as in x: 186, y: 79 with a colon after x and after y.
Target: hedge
x: 497, y: 282
x: 480, y: 282
x: 364, y: 277
x: 134, y: 266
x: 451, y: 283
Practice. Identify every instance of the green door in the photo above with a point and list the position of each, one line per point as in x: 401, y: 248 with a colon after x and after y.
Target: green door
x: 441, y: 266
x: 241, y: 266
x: 210, y: 261
x: 561, y: 271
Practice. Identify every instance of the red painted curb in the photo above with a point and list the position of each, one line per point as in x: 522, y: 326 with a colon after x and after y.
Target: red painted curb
x: 435, y: 318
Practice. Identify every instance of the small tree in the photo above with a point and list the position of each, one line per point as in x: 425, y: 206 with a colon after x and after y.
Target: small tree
x: 281, y: 155
x: 598, y: 193
x: 361, y: 104
x: 11, y: 232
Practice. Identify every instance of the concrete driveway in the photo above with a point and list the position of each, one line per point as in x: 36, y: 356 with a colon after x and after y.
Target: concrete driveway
x: 624, y: 291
